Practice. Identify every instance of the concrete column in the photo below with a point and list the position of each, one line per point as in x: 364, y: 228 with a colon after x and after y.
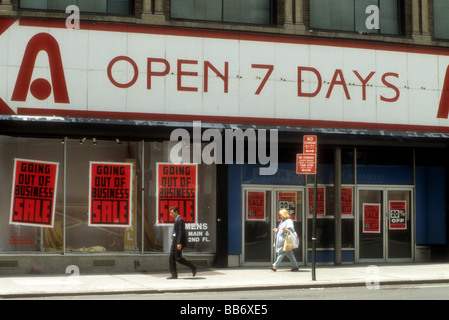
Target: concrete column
x: 416, y: 25
x: 153, y: 18
x: 293, y: 20
x: 158, y: 7
x: 288, y: 12
x: 425, y: 17
x: 420, y: 22
x: 147, y: 7
x: 299, y: 10
x: 6, y: 7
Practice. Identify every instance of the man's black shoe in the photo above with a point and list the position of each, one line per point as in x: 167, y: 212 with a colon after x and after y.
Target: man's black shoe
x: 194, y: 270
x: 172, y: 278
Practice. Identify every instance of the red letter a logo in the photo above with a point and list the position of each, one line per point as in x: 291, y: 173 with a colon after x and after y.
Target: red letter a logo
x: 443, y: 110
x: 41, y: 88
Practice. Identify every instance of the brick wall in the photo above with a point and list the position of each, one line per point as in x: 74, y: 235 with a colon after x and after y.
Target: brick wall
x: 138, y: 8
x: 305, y: 14
x: 431, y: 17
x: 407, y: 17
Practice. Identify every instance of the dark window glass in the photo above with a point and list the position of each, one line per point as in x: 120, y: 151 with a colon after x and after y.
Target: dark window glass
x: 441, y: 19
x: 98, y: 6
x: 240, y: 11
x: 356, y: 15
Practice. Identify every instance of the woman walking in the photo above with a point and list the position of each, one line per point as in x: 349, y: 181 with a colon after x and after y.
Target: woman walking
x: 286, y: 225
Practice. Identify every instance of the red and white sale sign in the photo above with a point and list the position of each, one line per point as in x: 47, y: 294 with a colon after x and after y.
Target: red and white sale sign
x: 371, y: 218
x: 320, y: 201
x: 34, y: 193
x: 176, y: 186
x: 398, y: 215
x: 256, y: 206
x: 110, y: 194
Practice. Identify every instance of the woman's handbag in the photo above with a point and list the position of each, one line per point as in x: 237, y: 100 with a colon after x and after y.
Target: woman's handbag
x: 291, y: 241
x: 295, y: 239
x: 288, y: 243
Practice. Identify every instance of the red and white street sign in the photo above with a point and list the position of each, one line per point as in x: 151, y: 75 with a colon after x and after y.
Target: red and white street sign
x: 306, y: 162
x: 309, y: 144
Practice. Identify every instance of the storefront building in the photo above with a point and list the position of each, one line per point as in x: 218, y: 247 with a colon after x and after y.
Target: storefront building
x: 107, y: 122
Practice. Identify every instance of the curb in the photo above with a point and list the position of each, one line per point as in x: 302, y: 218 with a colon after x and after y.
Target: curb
x: 314, y: 285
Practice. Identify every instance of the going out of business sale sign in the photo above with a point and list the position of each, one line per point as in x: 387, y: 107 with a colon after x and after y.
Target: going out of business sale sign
x: 110, y: 194
x: 33, y: 198
x: 176, y: 186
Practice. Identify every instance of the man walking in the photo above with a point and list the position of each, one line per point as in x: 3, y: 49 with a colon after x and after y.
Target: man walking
x: 178, y: 243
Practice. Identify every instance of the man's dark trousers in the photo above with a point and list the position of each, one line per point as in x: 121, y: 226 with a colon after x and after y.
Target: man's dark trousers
x: 176, y: 256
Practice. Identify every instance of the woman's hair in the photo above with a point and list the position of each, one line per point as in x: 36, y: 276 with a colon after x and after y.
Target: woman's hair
x: 284, y: 214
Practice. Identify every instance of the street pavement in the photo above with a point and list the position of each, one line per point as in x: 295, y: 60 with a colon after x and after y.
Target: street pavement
x: 219, y: 279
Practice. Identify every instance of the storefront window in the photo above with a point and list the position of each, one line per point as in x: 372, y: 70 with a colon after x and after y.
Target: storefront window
x: 350, y: 15
x: 77, y: 230
x: 201, y: 235
x: 326, y: 213
x: 20, y: 237
x: 80, y: 237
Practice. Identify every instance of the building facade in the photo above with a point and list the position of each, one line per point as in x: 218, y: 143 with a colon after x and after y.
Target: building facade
x: 111, y: 111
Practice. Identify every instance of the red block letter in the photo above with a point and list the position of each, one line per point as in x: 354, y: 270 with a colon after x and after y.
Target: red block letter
x: 342, y: 82
x: 389, y: 85
x: 443, y: 110
x: 186, y: 73
x: 224, y: 77
x: 267, y: 75
x: 40, y: 88
x: 364, y: 82
x: 319, y: 80
x: 156, y: 73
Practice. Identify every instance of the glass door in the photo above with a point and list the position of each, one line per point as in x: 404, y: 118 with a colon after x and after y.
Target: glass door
x: 260, y: 215
x: 292, y: 200
x: 385, y: 224
x: 399, y: 224
x: 370, y: 225
x: 258, y: 219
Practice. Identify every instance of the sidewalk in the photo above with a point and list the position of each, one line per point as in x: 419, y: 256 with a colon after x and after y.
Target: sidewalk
x: 221, y: 279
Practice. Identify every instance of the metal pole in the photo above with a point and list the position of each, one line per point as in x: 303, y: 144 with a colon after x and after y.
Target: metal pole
x: 337, y: 211
x: 315, y: 196
x: 64, y: 209
x: 142, y: 204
